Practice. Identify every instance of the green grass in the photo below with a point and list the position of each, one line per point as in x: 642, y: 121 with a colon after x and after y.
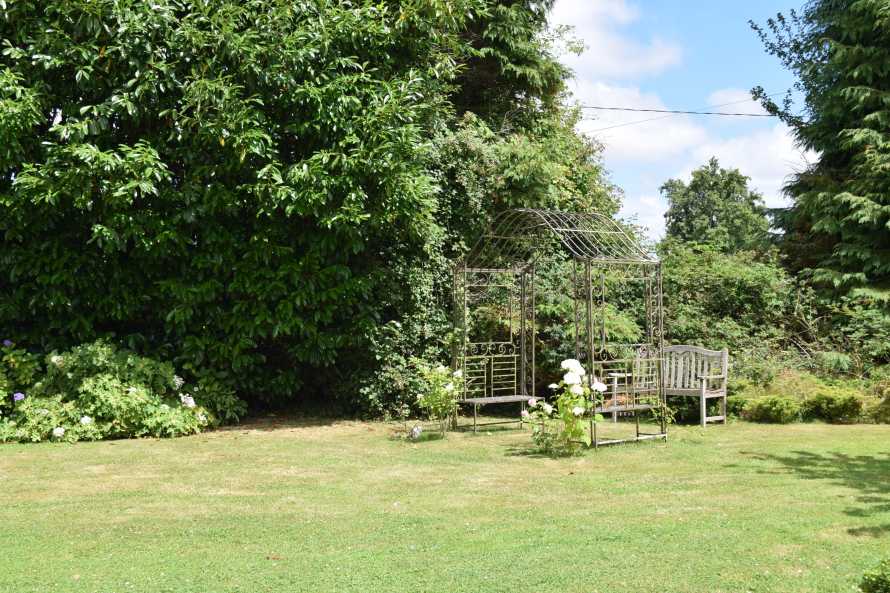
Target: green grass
x: 342, y: 507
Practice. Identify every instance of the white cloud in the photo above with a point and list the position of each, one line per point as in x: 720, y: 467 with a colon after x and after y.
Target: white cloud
x: 768, y: 157
x: 660, y: 138
x: 609, y: 53
x: 646, y: 210
x: 740, y: 101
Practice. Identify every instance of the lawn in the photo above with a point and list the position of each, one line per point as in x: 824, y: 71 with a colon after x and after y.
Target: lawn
x: 341, y: 507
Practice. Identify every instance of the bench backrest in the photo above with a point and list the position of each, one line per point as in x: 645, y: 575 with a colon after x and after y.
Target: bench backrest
x: 683, y: 365
x: 491, y: 369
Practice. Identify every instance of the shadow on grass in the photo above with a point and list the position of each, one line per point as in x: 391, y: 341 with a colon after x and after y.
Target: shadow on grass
x: 866, y: 474
x: 271, y: 423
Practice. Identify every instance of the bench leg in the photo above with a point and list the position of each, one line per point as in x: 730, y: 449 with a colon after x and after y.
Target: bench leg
x: 723, y: 407
x: 475, y: 408
x: 704, y: 410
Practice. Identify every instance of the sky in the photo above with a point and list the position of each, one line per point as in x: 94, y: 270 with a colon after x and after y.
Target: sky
x: 686, y: 55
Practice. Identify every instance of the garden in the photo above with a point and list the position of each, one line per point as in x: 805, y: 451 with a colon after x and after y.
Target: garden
x: 336, y: 296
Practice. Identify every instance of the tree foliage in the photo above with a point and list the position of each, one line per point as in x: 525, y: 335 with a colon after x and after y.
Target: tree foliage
x: 839, y: 225
x: 255, y: 189
x: 716, y: 207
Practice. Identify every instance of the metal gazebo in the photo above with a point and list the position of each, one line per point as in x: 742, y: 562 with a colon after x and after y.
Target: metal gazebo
x: 495, y: 308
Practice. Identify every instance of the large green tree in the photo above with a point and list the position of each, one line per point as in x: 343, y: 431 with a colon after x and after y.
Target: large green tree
x: 253, y: 188
x: 716, y: 207
x: 839, y: 225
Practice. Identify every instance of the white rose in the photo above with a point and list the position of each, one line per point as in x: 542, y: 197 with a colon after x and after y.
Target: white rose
x: 57, y: 360
x: 458, y: 374
x: 532, y: 402
x: 578, y: 411
x: 570, y: 364
x: 553, y: 386
x: 187, y: 400
x: 58, y: 432
x: 571, y: 378
x: 548, y: 409
x: 576, y: 390
x: 525, y: 415
x: 599, y: 386
x: 86, y: 420
x: 449, y: 387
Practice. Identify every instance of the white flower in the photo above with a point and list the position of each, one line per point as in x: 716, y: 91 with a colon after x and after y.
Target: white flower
x: 187, y: 400
x: 442, y: 368
x: 449, y: 387
x: 525, y: 415
x: 165, y: 407
x: 202, y: 418
x: 178, y: 382
x: 576, y: 390
x: 570, y: 364
x: 415, y: 432
x: 571, y: 378
x: 578, y: 411
x: 599, y: 386
x: 86, y: 420
x: 458, y: 374
x: 131, y: 390
x: 58, y: 432
x: 548, y: 409
x: 532, y: 402
x: 553, y: 386
x: 57, y: 360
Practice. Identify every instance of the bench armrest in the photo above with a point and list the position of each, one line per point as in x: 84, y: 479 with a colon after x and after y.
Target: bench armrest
x: 710, y: 376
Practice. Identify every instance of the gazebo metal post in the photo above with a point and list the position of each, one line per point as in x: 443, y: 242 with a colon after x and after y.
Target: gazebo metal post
x: 534, y: 330
x: 522, y: 332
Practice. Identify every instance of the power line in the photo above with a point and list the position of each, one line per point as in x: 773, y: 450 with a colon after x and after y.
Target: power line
x: 675, y: 111
x: 643, y: 121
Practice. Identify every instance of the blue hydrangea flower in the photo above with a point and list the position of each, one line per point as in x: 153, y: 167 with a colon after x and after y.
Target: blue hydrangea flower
x: 7, y: 343
x: 18, y: 396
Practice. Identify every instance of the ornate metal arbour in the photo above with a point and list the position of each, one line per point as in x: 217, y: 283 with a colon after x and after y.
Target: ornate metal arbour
x: 497, y: 279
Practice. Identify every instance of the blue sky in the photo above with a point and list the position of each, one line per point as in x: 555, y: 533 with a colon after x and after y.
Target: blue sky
x: 687, y: 55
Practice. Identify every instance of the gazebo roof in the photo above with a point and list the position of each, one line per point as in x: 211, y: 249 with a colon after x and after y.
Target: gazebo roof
x: 516, y: 236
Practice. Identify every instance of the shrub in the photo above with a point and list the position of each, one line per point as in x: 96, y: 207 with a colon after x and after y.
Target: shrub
x: 781, y: 410
x: 560, y: 430
x: 735, y: 405
x: 18, y: 371
x: 439, y: 399
x: 97, y: 391
x: 833, y: 404
x: 215, y: 394
x: 877, y: 580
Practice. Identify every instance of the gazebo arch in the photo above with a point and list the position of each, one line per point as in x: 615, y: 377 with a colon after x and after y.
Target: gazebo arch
x: 495, y: 310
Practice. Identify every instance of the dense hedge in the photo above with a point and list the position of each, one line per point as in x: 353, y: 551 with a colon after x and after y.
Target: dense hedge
x: 253, y: 190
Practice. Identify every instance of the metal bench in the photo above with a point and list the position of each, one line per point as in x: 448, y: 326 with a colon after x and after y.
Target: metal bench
x: 692, y: 371
x: 491, y: 376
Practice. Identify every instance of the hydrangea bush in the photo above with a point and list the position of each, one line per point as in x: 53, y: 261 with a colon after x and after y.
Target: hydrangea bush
x: 439, y: 400
x: 18, y: 371
x: 96, y: 391
x: 560, y: 429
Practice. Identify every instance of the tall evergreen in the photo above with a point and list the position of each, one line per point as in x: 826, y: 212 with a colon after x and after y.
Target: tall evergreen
x: 839, y: 225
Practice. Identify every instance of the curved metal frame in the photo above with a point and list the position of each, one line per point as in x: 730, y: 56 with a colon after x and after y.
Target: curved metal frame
x: 501, y: 265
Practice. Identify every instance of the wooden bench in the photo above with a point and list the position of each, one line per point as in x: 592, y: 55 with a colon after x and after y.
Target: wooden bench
x: 691, y: 371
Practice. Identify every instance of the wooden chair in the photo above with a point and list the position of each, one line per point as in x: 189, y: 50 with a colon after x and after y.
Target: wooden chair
x: 691, y: 371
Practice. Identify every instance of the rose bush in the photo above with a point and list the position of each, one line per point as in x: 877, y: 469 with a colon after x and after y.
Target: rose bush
x: 560, y: 429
